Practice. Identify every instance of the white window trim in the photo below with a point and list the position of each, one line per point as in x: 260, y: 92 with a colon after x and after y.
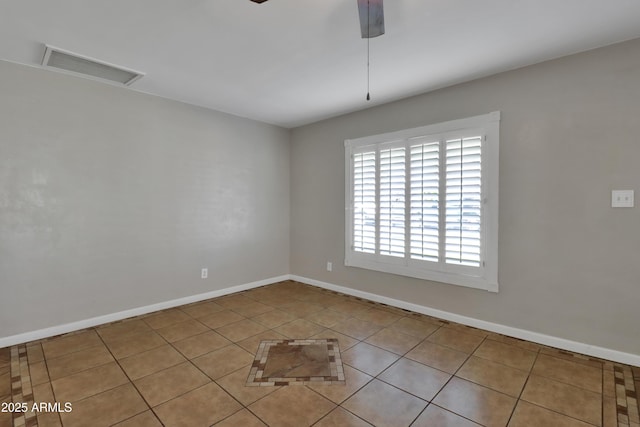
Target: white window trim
x: 489, y: 124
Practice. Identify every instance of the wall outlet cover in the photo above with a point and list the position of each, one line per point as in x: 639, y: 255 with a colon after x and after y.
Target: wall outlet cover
x: 622, y: 199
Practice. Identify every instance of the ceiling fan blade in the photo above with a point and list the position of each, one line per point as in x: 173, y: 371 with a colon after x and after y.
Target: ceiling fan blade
x: 371, y: 18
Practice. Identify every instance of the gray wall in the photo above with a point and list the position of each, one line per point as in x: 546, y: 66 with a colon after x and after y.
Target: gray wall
x: 570, y: 133
x: 111, y: 199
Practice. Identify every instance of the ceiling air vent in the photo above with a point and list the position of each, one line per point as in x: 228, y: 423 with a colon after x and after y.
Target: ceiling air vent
x: 84, y: 66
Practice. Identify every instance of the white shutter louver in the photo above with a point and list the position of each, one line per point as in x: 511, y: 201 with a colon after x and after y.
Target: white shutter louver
x: 392, y: 202
x: 364, y: 202
x: 463, y: 201
x: 425, y: 204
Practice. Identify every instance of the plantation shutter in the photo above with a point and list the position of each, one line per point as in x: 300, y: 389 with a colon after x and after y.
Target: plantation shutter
x: 463, y: 212
x: 364, y: 202
x: 425, y: 201
x: 392, y: 202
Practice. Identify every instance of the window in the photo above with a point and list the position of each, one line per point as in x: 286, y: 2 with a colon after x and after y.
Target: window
x: 423, y: 202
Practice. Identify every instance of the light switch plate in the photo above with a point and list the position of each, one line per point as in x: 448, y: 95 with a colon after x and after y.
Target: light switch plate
x: 622, y: 199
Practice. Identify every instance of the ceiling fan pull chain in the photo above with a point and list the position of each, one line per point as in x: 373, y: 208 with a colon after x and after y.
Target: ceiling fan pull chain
x: 368, y: 48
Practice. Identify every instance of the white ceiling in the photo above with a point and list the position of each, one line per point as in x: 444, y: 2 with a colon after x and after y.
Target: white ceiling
x: 292, y: 62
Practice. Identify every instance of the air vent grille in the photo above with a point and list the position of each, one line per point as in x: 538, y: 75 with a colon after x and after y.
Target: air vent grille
x: 88, y: 67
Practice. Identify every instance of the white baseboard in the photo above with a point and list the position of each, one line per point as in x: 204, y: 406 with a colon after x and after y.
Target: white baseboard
x: 574, y: 346
x: 95, y: 321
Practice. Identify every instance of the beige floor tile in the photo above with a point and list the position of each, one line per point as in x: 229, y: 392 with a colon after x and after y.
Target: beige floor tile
x: 527, y: 345
x: 489, y: 408
x: 169, y: 383
x: 301, y: 309
x: 571, y: 357
x: 5, y: 354
x: 493, y: 375
x: 38, y: 372
x: 145, y: 419
x: 221, y: 318
x: 393, y: 340
x: 456, y: 340
x: 356, y: 328
x: 198, y: 345
x: 152, y: 361
x: 235, y: 384
x: 203, y: 406
x: 43, y: 393
x: 564, y: 389
x: 349, y: 307
x: 299, y: 329
x: 506, y: 354
x: 70, y: 343
x: 234, y: 301
x: 437, y: 356
x: 89, y: 382
x: 341, y: 418
x: 399, y: 408
x: 327, y: 318
x: 276, y: 301
x: 166, y: 318
x: 344, y: 341
x: 415, y: 378
x: 202, y: 309
x: 528, y: 415
x: 253, y: 309
x: 182, y: 330
x: 134, y: 344
x: 559, y: 397
x: 320, y: 298
x: 274, y: 318
x: 48, y: 419
x: 241, y: 330
x: 251, y: 344
x: 414, y: 327
x: 609, y: 384
x: 369, y: 359
x: 5, y: 419
x: 338, y: 393
x: 120, y: 330
x: 78, y: 361
x: 467, y: 329
x: 569, y: 372
x: 276, y: 409
x: 105, y: 409
x: 435, y: 416
x: 5, y: 382
x: 242, y: 418
x: 221, y: 362
x: 34, y: 353
x: 378, y: 317
x: 609, y: 412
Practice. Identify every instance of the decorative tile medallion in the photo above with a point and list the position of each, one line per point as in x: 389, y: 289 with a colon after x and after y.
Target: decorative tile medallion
x: 297, y: 362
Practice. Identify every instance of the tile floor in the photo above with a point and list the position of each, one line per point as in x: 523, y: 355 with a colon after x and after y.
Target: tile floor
x: 188, y: 366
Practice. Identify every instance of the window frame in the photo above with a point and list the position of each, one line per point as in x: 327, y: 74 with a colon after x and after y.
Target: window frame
x: 484, y: 277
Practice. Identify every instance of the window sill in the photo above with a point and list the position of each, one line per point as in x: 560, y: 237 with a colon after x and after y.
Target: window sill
x: 419, y: 273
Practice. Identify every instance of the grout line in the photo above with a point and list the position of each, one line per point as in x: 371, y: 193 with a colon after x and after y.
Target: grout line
x: 526, y: 381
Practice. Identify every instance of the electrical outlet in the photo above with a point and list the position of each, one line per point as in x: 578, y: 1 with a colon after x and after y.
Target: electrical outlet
x: 329, y: 266
x: 204, y: 273
x: 622, y: 199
